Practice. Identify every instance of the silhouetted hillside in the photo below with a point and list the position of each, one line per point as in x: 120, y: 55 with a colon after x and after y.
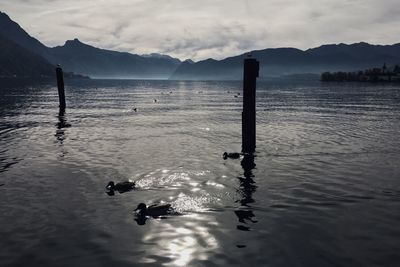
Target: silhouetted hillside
x: 78, y: 57
x: 360, y: 51
x: 18, y: 62
x: 12, y: 31
x: 287, y: 61
x: 85, y: 59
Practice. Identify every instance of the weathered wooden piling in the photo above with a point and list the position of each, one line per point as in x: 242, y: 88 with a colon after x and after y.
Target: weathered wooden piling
x: 60, y: 86
x: 250, y: 74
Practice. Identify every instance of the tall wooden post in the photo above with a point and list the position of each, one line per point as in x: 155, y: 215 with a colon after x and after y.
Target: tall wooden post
x: 60, y: 86
x: 250, y: 74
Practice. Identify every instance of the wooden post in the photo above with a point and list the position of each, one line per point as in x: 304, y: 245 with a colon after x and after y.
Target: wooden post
x: 250, y: 74
x: 60, y: 86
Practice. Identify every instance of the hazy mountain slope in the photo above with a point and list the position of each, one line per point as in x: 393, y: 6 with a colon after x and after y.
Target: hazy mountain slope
x: 78, y: 57
x: 81, y: 58
x: 286, y: 61
x: 16, y: 61
x: 12, y: 31
x: 85, y: 59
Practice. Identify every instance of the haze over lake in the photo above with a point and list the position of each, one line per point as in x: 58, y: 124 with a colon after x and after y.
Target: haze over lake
x: 324, y: 189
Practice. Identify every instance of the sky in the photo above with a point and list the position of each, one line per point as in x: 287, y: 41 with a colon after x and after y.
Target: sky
x: 201, y: 29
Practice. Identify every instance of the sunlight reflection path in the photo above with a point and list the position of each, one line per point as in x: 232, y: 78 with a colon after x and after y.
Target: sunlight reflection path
x: 181, y: 245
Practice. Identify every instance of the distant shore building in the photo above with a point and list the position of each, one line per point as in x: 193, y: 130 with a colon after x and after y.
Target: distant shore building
x: 384, y: 74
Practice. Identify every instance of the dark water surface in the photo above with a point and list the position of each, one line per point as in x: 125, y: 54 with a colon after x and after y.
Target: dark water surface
x: 324, y: 191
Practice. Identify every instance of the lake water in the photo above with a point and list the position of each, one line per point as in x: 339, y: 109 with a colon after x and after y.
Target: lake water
x: 322, y: 190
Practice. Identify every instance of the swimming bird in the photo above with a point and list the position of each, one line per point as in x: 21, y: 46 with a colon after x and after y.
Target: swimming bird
x: 121, y: 187
x: 231, y: 155
x: 155, y: 210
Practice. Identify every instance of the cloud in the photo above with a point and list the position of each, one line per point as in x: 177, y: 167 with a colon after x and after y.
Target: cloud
x: 208, y: 28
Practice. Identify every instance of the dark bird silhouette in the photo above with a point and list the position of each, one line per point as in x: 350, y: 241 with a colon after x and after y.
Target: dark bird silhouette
x: 155, y: 100
x: 235, y: 96
x: 134, y: 109
x: 154, y: 211
x: 120, y: 187
x: 231, y: 155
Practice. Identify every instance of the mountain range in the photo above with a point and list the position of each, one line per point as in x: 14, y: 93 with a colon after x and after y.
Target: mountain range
x: 16, y: 61
x: 21, y: 54
x: 288, y: 61
x: 75, y: 56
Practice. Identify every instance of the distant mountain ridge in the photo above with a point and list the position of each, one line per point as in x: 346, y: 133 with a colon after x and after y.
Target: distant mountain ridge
x: 276, y: 62
x: 18, y: 62
x: 101, y: 63
x: 81, y: 58
x: 11, y: 30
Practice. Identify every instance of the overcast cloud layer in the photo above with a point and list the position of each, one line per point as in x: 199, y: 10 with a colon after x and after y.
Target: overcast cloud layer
x: 200, y: 29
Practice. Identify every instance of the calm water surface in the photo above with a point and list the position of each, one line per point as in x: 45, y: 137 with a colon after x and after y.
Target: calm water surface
x: 322, y: 190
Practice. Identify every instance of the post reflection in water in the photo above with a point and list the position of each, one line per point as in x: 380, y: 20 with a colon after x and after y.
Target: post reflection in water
x: 60, y: 129
x: 247, y: 188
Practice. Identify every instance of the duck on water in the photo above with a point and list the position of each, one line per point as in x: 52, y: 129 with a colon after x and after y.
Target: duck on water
x: 121, y: 187
x: 155, y: 210
x: 227, y: 155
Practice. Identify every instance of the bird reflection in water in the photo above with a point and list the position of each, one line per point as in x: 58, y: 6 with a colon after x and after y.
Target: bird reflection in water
x: 142, y: 219
x: 247, y: 188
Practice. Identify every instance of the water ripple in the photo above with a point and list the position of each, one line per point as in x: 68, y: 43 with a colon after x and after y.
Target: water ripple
x: 322, y: 190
